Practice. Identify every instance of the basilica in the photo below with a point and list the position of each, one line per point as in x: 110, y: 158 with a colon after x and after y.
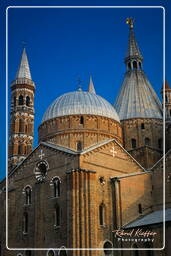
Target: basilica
x: 99, y: 181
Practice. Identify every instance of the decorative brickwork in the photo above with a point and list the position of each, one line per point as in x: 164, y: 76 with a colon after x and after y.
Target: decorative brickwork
x: 67, y: 131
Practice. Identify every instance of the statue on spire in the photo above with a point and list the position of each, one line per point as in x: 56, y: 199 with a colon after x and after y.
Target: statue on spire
x: 130, y: 22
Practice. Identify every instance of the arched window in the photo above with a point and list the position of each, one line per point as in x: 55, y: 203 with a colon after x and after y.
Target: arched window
x: 147, y: 142
x: 160, y: 142
x: 28, y: 101
x: 79, y: 145
x: 26, y: 128
x: 50, y: 253
x: 21, y: 125
x: 56, y: 187
x: 129, y: 65
x: 166, y: 98
x: 14, y: 101
x: 25, y: 149
x: 25, y: 223
x: 27, y: 192
x: 140, y: 208
x: 81, y: 120
x: 19, y: 149
x: 20, y: 100
x: 57, y: 216
x: 140, y: 65
x: 134, y: 65
x: 107, y: 245
x: 28, y: 253
x: 133, y: 143
x: 62, y: 252
x: 102, y: 214
x: 135, y: 252
x: 142, y: 126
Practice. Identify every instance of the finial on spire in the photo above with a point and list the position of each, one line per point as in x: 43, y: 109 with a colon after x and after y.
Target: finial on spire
x: 130, y: 22
x: 91, y: 88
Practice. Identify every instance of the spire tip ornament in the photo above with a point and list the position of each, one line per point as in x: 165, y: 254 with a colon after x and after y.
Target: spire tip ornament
x: 130, y: 22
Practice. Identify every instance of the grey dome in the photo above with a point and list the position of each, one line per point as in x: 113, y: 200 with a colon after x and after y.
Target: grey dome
x: 137, y: 98
x: 80, y: 102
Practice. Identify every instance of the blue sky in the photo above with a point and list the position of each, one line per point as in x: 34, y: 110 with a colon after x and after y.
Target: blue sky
x: 64, y: 45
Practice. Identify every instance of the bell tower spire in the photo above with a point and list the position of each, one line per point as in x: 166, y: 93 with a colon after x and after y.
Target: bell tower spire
x: 134, y: 58
x: 21, y: 114
x: 24, y: 69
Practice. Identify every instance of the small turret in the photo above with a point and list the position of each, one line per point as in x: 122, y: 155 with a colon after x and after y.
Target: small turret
x: 91, y: 88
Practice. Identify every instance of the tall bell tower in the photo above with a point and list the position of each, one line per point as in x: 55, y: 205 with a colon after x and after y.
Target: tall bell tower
x: 21, y: 113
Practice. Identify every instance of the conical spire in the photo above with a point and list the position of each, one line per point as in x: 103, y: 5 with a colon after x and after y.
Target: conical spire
x: 24, y: 70
x: 133, y: 49
x: 137, y: 98
x: 91, y: 88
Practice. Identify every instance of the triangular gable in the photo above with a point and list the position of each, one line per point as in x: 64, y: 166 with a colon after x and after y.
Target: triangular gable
x: 43, y: 144
x: 112, y: 156
x: 100, y: 145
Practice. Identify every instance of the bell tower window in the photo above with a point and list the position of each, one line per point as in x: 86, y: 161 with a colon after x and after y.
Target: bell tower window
x: 19, y: 149
x: 28, y: 101
x: 14, y: 101
x: 21, y: 125
x: 20, y: 100
x: 129, y: 66
x: 134, y: 65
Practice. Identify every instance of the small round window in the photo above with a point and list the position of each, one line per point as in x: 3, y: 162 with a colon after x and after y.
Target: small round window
x: 41, y: 170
